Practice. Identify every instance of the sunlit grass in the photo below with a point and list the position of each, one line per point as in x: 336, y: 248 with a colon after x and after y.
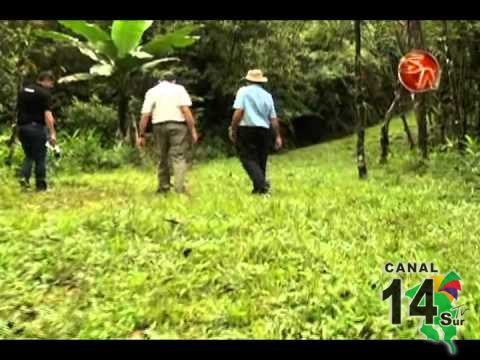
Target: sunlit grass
x: 103, y: 256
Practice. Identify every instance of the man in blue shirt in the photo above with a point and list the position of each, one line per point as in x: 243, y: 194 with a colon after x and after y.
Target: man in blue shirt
x: 250, y: 129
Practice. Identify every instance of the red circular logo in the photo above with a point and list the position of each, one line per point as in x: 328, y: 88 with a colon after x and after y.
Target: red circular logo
x: 419, y: 71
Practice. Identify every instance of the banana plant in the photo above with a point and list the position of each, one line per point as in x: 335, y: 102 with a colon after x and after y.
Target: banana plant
x: 119, y: 54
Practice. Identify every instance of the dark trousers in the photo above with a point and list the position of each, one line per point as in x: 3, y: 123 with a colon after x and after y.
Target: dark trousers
x: 252, y: 146
x: 34, y: 138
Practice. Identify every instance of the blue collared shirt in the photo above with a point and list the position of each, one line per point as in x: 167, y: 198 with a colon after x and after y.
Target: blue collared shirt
x: 257, y: 104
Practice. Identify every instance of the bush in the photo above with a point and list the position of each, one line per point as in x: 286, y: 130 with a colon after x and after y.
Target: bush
x: 472, y: 163
x: 450, y: 162
x: 17, y: 155
x: 84, y: 116
x: 88, y: 138
x: 87, y: 153
x: 79, y: 152
x: 212, y: 148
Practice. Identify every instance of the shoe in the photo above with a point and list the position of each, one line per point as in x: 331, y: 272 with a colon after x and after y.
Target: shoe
x: 163, y: 191
x: 43, y: 190
x: 25, y: 184
x: 185, y: 192
x: 41, y: 186
x: 264, y: 191
x: 267, y: 185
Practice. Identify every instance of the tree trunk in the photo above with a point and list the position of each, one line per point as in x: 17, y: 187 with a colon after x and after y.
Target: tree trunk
x: 384, y: 141
x: 236, y: 31
x: 456, y: 77
x: 400, y: 40
x: 133, y: 131
x: 360, y: 118
x: 399, y: 94
x: 14, y: 134
x: 122, y: 112
x: 408, y: 132
x: 420, y: 113
x: 461, y: 101
x: 443, y: 131
x: 450, y: 74
x: 477, y: 115
x: 416, y: 37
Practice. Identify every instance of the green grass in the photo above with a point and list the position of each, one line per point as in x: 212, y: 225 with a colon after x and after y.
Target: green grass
x: 102, y: 256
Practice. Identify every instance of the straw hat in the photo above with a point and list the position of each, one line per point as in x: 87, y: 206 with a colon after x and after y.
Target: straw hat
x: 256, y: 75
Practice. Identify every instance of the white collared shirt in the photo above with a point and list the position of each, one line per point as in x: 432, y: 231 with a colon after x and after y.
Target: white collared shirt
x: 164, y: 101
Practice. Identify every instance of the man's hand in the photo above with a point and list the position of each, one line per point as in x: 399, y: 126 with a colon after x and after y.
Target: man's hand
x: 141, y: 141
x: 50, y: 122
x: 232, y: 135
x: 236, y: 119
x: 278, y: 142
x: 53, y: 139
x: 194, y: 136
x: 146, y: 117
x: 276, y: 129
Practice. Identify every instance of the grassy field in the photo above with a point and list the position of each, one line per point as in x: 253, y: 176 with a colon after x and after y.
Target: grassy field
x: 103, y: 256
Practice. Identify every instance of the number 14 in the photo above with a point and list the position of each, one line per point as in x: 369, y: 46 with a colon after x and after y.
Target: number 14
x: 429, y: 311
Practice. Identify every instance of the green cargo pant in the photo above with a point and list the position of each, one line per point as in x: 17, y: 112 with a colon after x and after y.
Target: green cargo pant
x: 172, y: 142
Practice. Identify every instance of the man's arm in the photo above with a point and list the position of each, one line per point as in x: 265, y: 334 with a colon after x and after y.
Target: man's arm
x: 50, y: 121
x: 275, y: 125
x: 239, y: 106
x: 236, y: 118
x: 190, y: 120
x: 184, y: 102
x: 147, y: 108
x: 276, y: 129
x: 143, y: 128
x: 144, y: 123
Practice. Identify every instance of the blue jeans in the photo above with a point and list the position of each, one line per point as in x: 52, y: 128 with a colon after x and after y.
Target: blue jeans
x: 34, y: 138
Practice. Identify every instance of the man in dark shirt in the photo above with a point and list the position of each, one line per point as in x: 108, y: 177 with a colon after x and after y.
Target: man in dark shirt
x: 33, y: 119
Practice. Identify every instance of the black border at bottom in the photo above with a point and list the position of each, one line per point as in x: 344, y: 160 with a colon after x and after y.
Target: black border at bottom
x: 385, y: 349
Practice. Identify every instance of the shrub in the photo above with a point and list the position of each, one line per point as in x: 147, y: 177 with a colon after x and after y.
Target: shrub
x: 87, y: 153
x: 17, y: 155
x: 84, y: 116
x: 212, y: 148
x: 449, y: 161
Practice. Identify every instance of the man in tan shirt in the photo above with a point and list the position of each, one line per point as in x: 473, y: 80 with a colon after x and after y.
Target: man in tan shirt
x: 168, y: 105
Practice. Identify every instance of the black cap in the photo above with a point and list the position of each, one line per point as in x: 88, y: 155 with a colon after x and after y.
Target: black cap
x: 46, y: 75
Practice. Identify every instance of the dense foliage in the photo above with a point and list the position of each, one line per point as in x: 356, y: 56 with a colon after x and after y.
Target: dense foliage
x: 309, y: 63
